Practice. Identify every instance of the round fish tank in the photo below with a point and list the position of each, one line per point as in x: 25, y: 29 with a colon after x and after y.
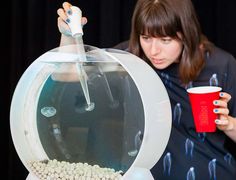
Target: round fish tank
x: 101, y: 114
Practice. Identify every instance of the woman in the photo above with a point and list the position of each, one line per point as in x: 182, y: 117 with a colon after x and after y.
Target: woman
x: 167, y: 35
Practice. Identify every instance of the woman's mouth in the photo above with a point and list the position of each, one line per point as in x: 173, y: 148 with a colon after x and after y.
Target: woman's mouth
x: 157, y: 61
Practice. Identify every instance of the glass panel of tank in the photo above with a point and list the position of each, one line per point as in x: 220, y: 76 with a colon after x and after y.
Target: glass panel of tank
x: 101, y: 126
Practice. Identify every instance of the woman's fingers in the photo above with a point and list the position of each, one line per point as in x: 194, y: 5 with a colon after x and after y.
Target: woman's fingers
x: 221, y: 121
x: 61, y: 13
x: 63, y: 27
x: 225, y: 96
x: 220, y: 103
x: 221, y: 111
x: 225, y: 123
x: 63, y: 20
x: 66, y: 7
x: 66, y: 11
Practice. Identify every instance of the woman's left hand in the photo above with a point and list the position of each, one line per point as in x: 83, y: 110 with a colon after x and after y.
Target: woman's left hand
x: 224, y: 121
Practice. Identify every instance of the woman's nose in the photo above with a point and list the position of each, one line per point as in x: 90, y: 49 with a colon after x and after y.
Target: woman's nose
x: 155, y: 47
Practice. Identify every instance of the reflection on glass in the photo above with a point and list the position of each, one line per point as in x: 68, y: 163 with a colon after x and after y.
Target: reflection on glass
x: 56, y: 131
x: 137, y: 144
x: 113, y: 103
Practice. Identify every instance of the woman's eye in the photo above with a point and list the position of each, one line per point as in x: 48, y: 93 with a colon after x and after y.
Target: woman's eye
x: 145, y: 37
x: 166, y: 40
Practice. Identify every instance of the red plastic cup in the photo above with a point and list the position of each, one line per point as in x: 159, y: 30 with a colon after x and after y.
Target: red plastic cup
x: 201, y: 100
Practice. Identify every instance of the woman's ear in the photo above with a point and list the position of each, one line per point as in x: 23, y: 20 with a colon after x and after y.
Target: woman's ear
x: 179, y: 35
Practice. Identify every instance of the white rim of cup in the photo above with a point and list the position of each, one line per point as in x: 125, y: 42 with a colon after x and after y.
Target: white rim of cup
x: 204, y: 89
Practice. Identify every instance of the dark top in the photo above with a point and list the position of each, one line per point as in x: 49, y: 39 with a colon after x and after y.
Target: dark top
x: 190, y: 155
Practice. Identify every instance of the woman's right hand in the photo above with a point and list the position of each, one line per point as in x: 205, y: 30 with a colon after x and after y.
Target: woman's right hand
x: 63, y: 19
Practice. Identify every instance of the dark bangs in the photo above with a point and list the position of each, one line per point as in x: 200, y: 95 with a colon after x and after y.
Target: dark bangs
x: 157, y: 21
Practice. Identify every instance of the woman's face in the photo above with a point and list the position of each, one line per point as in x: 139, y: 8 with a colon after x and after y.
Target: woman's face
x: 161, y: 51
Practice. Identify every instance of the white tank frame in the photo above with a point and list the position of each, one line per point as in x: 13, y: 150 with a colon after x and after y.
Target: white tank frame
x: 156, y: 104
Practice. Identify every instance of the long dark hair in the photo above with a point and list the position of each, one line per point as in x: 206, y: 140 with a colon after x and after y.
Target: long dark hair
x: 169, y: 18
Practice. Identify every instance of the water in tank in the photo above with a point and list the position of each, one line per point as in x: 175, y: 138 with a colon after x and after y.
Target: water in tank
x: 89, y: 117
